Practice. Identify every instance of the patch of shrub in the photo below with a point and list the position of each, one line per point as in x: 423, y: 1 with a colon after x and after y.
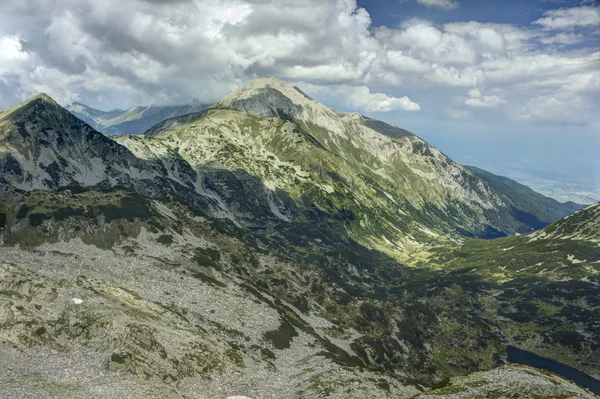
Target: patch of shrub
x: 282, y: 337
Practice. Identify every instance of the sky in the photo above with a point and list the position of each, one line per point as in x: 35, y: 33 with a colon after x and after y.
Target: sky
x: 510, y: 86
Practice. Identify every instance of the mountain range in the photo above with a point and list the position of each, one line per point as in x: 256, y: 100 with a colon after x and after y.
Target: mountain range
x: 270, y: 246
x: 134, y: 120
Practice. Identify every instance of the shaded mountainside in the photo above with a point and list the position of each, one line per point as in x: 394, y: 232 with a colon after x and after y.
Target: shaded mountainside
x: 272, y: 247
x: 527, y: 204
x: 135, y: 120
x: 44, y: 146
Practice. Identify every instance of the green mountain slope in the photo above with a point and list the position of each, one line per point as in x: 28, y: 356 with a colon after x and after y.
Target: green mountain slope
x: 545, y: 286
x: 393, y: 190
x: 582, y: 225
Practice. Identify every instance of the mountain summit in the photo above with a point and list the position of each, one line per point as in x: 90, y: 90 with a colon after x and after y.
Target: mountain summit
x: 273, y: 97
x: 44, y: 146
x: 35, y: 105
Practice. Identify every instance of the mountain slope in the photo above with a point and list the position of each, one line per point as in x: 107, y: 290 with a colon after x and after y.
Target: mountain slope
x: 528, y: 205
x: 251, y: 308
x: 134, y: 120
x: 183, y: 299
x: 44, y: 146
x: 545, y: 286
x: 582, y: 225
x: 519, y: 382
x: 393, y: 190
x: 225, y: 255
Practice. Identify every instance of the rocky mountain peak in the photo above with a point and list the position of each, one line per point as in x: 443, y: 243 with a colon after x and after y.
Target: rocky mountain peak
x: 269, y: 97
x: 39, y: 117
x: 265, y: 83
x: 35, y: 104
x: 47, y: 147
x: 272, y: 97
x: 43, y: 97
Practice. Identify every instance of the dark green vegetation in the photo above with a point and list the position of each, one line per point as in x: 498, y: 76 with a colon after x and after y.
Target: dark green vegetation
x: 542, y: 287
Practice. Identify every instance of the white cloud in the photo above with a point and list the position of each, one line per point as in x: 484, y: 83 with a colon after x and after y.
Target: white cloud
x: 563, y: 38
x: 447, y: 4
x: 492, y: 40
x: 424, y: 41
x: 452, y: 76
x: 140, y: 51
x: 569, y: 18
x: 477, y: 99
x: 11, y: 50
x: 560, y: 108
x: 361, y: 98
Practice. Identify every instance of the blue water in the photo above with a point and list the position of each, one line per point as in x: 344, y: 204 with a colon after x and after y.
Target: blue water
x: 521, y: 356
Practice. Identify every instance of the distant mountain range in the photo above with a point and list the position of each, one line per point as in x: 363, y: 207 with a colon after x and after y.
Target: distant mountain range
x: 135, y: 120
x: 270, y: 246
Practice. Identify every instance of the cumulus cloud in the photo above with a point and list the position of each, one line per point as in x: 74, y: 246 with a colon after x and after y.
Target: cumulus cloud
x: 477, y: 99
x: 115, y: 53
x: 362, y: 98
x: 556, y: 109
x: 11, y: 49
x: 569, y: 18
x: 563, y: 38
x: 447, y: 4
